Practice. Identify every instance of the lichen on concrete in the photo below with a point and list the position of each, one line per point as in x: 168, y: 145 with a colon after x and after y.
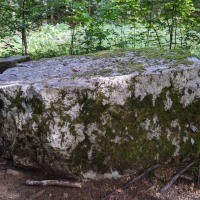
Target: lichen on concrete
x: 101, y: 113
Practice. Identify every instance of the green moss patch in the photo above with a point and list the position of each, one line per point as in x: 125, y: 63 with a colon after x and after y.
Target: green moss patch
x: 36, y: 105
x: 1, y: 104
x: 126, y: 143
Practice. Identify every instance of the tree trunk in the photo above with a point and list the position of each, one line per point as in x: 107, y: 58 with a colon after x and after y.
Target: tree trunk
x: 24, y: 42
x: 23, y: 30
x: 170, y: 38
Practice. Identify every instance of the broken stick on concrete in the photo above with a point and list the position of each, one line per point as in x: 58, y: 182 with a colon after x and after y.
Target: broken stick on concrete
x: 173, y: 180
x: 71, y: 184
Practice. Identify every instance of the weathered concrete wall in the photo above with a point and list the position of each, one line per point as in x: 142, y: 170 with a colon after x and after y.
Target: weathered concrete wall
x: 90, y: 114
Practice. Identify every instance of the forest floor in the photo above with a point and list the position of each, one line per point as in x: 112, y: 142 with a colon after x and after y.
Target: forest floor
x: 12, y: 187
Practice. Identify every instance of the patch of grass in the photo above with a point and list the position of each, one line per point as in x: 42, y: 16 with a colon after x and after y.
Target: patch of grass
x: 107, y: 54
x: 182, y: 62
x: 162, y: 53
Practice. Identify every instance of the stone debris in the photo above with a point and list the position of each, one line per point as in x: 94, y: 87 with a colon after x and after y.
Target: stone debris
x: 13, y: 172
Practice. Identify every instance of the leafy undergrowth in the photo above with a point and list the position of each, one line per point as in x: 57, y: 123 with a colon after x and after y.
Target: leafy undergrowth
x: 54, y: 41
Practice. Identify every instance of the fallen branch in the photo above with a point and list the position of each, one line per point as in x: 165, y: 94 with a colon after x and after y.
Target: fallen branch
x: 71, y: 184
x: 186, y: 177
x: 173, y: 180
x: 140, y: 177
x: 133, y: 181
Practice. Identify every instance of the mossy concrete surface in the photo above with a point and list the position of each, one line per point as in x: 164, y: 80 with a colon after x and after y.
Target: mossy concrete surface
x: 103, y: 113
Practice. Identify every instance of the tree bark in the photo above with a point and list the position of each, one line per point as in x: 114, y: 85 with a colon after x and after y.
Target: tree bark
x: 23, y: 30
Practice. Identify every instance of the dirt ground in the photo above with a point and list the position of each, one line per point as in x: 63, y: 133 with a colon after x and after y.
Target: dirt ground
x: 12, y: 187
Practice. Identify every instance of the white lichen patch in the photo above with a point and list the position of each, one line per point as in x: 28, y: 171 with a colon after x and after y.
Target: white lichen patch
x: 113, y: 174
x: 74, y: 112
x: 188, y: 81
x: 175, y: 124
x: 185, y: 139
x: 176, y: 140
x: 155, y: 132
x: 21, y: 119
x: 153, y: 128
x: 155, y: 119
x: 156, y: 157
x: 48, y: 95
x: 117, y: 140
x: 194, y: 128
x: 92, y: 132
x: 95, y: 176
x: 115, y: 89
x: 34, y: 126
x: 168, y: 103
x: 192, y: 141
x: 151, y: 85
x: 79, y: 129
x: 61, y: 137
x: 90, y: 175
x: 168, y: 133
x: 176, y: 143
x: 147, y: 124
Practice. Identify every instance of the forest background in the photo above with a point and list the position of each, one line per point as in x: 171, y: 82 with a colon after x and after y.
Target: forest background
x: 49, y: 28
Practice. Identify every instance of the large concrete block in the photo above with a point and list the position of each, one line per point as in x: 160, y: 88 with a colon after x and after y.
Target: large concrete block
x: 101, y: 114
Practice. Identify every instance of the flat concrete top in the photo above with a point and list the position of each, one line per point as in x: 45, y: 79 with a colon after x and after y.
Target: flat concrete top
x: 86, y: 69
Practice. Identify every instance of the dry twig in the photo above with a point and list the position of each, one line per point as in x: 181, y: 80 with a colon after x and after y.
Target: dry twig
x: 140, y: 177
x: 173, y: 180
x: 133, y: 181
x: 71, y: 184
x: 186, y: 177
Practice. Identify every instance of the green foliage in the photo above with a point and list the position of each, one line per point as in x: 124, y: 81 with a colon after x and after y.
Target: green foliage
x: 50, y: 41
x: 95, y: 25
